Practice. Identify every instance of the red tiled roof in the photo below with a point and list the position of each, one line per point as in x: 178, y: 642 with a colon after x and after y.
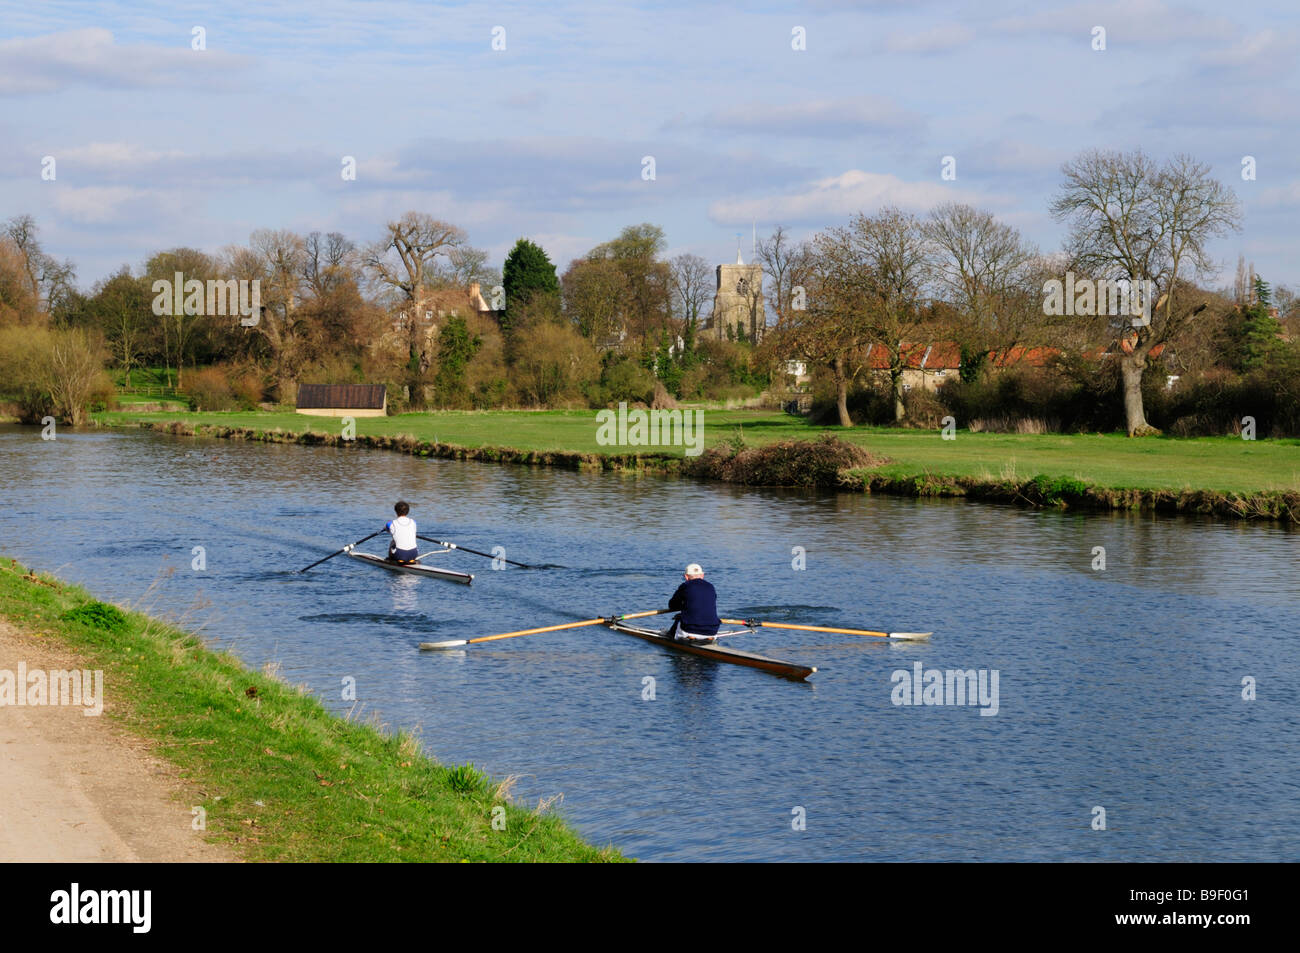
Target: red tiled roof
x: 1029, y: 356
x: 938, y: 356
x: 943, y: 356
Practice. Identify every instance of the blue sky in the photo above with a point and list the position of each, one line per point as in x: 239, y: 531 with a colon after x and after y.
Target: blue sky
x: 159, y: 145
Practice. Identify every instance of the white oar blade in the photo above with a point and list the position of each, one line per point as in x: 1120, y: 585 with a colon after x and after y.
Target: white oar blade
x: 910, y: 635
x: 444, y: 645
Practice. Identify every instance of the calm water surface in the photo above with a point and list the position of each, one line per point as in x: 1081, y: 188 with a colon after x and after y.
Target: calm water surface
x: 1119, y: 689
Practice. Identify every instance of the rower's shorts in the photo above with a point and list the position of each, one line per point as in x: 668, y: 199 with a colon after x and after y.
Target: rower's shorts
x: 682, y: 635
x: 403, y: 555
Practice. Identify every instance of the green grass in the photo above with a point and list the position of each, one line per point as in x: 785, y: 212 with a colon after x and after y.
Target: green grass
x: 281, y: 779
x: 1224, y: 464
x: 170, y: 404
x: 145, y: 377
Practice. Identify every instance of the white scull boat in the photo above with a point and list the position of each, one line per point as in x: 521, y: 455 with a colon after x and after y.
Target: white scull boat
x: 415, y: 568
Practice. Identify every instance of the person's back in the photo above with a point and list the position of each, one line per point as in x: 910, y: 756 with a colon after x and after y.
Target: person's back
x: 696, y: 602
x: 404, y: 547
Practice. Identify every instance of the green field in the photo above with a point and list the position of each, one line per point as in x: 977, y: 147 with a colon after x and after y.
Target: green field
x: 1223, y: 464
x: 282, y: 779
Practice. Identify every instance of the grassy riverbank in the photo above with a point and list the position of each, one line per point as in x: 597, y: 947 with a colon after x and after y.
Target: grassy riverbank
x: 1105, y: 461
x: 281, y: 779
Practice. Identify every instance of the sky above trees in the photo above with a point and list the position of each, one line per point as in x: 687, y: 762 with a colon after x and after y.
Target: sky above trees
x: 157, y: 144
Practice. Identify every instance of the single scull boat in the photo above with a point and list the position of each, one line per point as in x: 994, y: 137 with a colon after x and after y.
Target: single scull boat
x: 415, y: 569
x: 718, y: 653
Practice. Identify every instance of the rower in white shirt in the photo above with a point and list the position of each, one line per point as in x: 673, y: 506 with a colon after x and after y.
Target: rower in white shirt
x: 404, y: 548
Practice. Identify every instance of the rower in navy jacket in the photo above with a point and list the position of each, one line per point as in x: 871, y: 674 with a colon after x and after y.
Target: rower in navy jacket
x: 697, y: 605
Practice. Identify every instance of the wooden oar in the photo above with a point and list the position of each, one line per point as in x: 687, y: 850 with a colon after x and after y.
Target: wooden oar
x: 826, y: 628
x: 547, y: 628
x: 429, y: 539
x: 343, y: 550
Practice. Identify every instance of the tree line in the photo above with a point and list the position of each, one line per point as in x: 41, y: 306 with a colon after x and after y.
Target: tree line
x: 624, y: 323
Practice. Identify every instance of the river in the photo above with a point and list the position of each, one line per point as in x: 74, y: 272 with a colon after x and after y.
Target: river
x: 1118, y: 688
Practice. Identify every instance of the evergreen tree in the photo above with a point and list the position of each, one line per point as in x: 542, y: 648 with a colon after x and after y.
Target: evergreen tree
x: 1260, y: 341
x: 456, y: 346
x: 527, y: 272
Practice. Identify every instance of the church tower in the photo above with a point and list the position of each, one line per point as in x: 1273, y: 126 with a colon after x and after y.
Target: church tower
x: 738, y: 311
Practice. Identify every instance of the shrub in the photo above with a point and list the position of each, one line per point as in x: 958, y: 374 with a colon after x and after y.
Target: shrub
x: 52, y: 371
x: 1217, y: 401
x: 553, y: 364
x: 924, y: 409
x: 247, y: 389
x: 492, y: 393
x: 625, y: 380
x: 209, y: 389
x: 98, y: 615
x: 869, y: 404
x: 1075, y: 394
x: 785, y: 463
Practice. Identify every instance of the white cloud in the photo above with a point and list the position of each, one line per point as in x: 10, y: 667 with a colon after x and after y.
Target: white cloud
x: 830, y: 199
x: 113, y: 155
x: 56, y: 61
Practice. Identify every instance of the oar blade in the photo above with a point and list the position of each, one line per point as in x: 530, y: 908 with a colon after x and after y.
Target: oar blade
x: 827, y: 628
x: 454, y: 643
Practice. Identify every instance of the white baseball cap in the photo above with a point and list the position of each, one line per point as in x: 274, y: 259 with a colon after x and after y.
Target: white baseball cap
x: 695, y: 569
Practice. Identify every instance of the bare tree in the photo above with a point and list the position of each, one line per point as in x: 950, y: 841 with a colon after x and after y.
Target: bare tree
x: 871, y: 279
x: 120, y: 306
x: 74, y: 371
x: 692, y: 288
x: 18, y: 302
x: 821, y: 335
x: 51, y: 281
x: 22, y: 231
x: 178, y: 324
x: 1244, y: 285
x: 596, y: 296
x: 328, y: 262
x: 465, y: 264
x: 1132, y: 221
x: 52, y: 370
x: 787, y: 264
x: 280, y: 260
x: 404, y: 263
x: 405, y: 259
x: 635, y: 252
x: 988, y: 274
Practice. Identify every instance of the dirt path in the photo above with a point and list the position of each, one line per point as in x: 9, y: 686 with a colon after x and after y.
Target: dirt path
x: 74, y: 788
